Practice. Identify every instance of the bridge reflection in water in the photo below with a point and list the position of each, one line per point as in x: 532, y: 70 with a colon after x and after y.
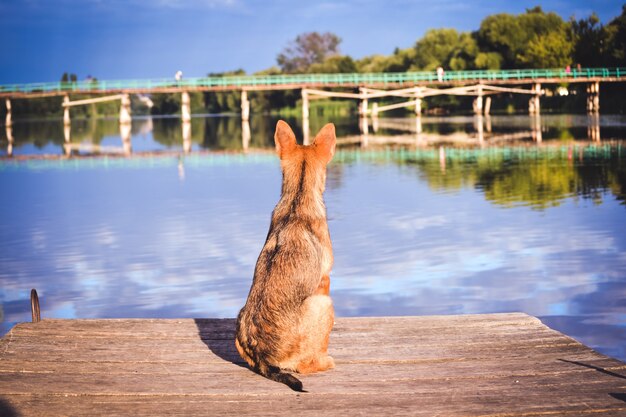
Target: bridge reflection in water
x: 180, y: 137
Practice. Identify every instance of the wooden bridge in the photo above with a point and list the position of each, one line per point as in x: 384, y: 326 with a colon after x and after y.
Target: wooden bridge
x: 413, y: 85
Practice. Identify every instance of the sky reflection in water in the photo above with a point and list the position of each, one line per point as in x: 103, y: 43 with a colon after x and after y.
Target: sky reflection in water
x: 134, y: 238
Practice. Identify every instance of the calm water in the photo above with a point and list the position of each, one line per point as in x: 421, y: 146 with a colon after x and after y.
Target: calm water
x: 433, y: 226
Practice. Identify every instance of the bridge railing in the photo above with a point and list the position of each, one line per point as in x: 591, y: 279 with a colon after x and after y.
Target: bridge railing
x: 348, y: 79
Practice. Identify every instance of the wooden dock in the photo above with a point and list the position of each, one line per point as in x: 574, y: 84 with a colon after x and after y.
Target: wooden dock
x: 471, y: 365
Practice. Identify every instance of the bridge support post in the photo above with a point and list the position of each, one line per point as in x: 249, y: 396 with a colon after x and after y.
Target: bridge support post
x: 487, y: 105
x: 418, y: 102
x: 8, y: 121
x: 66, y: 110
x: 306, y: 139
x: 125, y: 111
x: 245, y: 106
x: 478, y: 105
x: 534, y: 105
x: 478, y: 101
x: 363, y: 106
x: 186, y: 107
x: 374, y: 110
x: 375, y: 117
x: 593, y: 98
x: 67, y: 135
x: 364, y: 125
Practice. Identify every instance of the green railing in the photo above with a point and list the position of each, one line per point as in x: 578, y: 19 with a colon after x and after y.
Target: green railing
x: 297, y: 80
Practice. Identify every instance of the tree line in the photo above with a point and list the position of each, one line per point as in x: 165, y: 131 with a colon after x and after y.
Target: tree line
x: 533, y: 39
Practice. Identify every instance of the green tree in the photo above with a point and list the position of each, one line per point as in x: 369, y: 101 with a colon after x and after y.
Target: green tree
x: 617, y: 40
x: 530, y: 40
x: 435, y: 49
x: 591, y: 40
x: 450, y: 49
x: 334, y: 64
x: 550, y: 50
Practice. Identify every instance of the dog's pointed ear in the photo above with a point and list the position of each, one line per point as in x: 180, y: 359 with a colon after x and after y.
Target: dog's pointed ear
x: 325, y: 142
x: 284, y: 138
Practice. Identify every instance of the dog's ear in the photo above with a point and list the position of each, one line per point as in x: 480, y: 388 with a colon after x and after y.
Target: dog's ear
x: 325, y: 142
x: 285, y: 139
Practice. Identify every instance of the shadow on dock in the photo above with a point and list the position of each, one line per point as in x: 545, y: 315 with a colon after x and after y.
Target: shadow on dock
x: 6, y: 410
x: 616, y: 395
x: 219, y: 336
x: 604, y: 371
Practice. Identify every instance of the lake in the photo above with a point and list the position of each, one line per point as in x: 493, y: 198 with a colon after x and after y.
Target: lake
x: 448, y: 215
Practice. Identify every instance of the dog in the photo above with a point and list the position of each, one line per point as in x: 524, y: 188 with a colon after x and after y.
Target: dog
x: 286, y: 322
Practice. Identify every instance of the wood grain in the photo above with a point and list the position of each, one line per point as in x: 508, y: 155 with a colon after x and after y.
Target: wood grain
x: 473, y: 365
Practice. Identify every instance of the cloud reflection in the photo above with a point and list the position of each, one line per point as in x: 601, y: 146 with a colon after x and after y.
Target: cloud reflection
x: 137, y: 242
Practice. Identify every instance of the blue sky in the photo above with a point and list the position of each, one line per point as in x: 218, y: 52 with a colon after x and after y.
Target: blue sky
x: 125, y: 39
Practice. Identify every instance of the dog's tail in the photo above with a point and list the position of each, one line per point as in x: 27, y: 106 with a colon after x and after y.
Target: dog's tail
x: 276, y: 374
x: 261, y: 367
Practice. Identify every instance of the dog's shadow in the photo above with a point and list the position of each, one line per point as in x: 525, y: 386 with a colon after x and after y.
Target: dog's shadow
x: 219, y: 336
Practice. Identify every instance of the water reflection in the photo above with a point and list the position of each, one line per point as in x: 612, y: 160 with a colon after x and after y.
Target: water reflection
x: 416, y: 229
x: 186, y: 137
x: 149, y: 135
x: 9, y: 135
x: 593, y: 127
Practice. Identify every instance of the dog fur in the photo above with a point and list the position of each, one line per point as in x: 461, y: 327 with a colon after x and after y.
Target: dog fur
x: 288, y: 316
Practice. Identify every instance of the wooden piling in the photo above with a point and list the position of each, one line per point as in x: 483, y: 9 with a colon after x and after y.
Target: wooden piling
x: 534, y: 105
x: 66, y: 110
x: 487, y: 105
x: 186, y: 107
x: 8, y: 121
x: 363, y: 108
x: 125, y: 117
x: 245, y: 106
x: 478, y: 101
x: 593, y: 97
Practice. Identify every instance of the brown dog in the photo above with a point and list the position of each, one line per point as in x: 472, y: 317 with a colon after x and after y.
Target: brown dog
x: 286, y: 321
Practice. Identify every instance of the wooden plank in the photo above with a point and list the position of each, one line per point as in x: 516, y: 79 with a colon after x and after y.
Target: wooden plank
x: 476, y: 365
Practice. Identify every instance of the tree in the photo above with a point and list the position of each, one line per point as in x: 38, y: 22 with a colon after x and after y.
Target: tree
x: 617, y: 39
x: 308, y: 49
x: 334, y: 64
x: 530, y: 40
x: 450, y: 49
x: 590, y: 39
x: 66, y: 77
x: 435, y: 49
x: 550, y: 50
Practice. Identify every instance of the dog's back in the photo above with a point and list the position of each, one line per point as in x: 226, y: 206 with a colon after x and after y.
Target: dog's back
x: 286, y: 321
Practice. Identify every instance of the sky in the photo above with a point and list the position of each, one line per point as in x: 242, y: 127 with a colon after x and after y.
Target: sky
x: 132, y: 39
